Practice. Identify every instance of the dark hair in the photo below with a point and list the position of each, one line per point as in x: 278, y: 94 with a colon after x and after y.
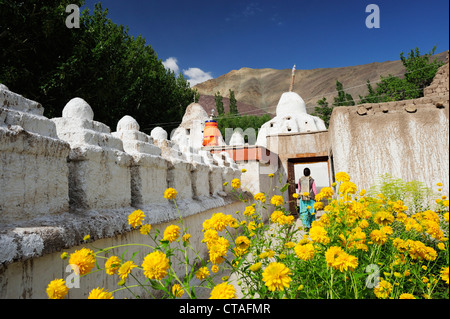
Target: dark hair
x: 306, y: 171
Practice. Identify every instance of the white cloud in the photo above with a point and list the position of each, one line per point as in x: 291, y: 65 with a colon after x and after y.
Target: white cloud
x: 172, y: 64
x: 196, y: 76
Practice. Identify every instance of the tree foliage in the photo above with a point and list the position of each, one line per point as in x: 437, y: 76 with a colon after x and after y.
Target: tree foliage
x: 219, y: 103
x: 233, y: 103
x: 116, y: 73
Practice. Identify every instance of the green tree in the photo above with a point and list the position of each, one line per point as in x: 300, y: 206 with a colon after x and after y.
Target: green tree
x: 233, y: 103
x: 419, y: 69
x: 323, y: 111
x: 219, y: 103
x: 343, y: 98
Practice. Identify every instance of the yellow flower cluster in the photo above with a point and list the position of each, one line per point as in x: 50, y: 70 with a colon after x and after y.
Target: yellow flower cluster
x: 261, y: 197
x: 277, y: 200
x: 280, y: 218
x: 340, y: 260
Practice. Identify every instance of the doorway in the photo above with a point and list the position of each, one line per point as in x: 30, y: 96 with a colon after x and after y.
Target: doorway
x: 320, y: 170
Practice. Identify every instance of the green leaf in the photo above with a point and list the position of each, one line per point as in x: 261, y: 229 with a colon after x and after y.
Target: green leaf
x: 284, y: 188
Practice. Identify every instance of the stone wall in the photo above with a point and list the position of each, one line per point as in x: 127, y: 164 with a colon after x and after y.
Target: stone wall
x: 408, y: 139
x: 64, y: 178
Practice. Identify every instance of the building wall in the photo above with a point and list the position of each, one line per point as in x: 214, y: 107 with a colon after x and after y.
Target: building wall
x: 407, y: 139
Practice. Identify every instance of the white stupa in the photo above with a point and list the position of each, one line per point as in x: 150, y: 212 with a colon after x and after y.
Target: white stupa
x: 291, y: 117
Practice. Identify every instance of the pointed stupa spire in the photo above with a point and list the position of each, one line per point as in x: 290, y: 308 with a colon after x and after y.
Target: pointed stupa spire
x: 291, y: 87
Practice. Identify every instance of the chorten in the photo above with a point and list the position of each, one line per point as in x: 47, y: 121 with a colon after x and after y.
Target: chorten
x: 291, y: 117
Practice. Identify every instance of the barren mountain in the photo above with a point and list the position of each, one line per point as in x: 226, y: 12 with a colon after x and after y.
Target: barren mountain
x: 262, y: 88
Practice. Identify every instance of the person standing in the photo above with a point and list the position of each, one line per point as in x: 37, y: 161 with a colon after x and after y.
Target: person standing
x: 307, y: 193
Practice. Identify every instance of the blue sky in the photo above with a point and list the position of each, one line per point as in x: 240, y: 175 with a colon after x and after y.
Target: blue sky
x: 206, y: 39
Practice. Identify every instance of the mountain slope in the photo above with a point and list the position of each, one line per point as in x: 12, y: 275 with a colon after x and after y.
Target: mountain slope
x: 262, y: 88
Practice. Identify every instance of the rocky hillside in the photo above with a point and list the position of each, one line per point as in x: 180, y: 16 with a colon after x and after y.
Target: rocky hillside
x: 262, y: 88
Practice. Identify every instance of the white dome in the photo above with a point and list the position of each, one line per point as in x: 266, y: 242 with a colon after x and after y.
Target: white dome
x: 237, y: 138
x: 127, y: 123
x: 158, y: 133
x: 290, y: 103
x: 78, y: 108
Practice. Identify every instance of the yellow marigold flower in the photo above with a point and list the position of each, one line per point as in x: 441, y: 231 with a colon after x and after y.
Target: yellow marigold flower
x: 305, y: 194
x: 87, y: 237
x: 276, y: 276
x: 318, y: 234
x: 438, y: 200
x: 209, y: 237
x: 401, y: 217
x: 295, y: 195
x: 236, y: 183
x: 202, y: 273
x: 271, y: 175
x: 249, y: 211
x: 98, y: 293
x: 318, y: 205
x: 439, y: 184
x: 255, y: 267
x: 444, y: 274
x: 383, y: 289
x: 383, y: 218
x: 155, y: 265
x: 441, y: 246
x: 425, y: 280
x: 223, y: 291
x: 331, y: 254
x: 171, y: 233
x: 177, y: 290
x: 363, y: 224
x: 445, y: 203
x: 334, y: 184
x: 186, y: 237
x: 82, y: 261
x: 308, y: 207
x: 243, y: 170
x: 170, y: 193
x: 277, y: 214
x: 406, y: 296
x: 64, y: 255
x: 378, y: 236
x: 277, y: 200
x: 242, y: 242
x: 261, y: 197
x: 217, y: 252
x: 344, y: 262
x: 251, y: 226
x: 304, y: 252
x: 289, y: 244
x: 342, y: 177
x: 445, y: 216
x: 326, y: 192
x: 347, y: 187
x: 214, y: 268
x: 145, y: 229
x: 135, y: 218
x: 57, y: 289
x: 362, y: 192
x: 112, y: 265
x: 126, y: 269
